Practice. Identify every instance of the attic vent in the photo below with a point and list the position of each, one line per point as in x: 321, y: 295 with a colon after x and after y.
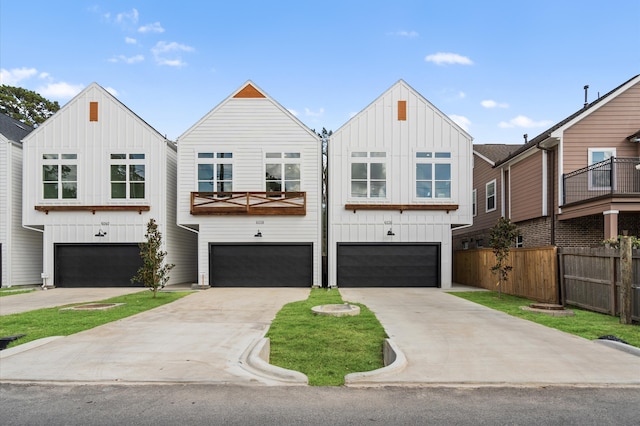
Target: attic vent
x: 402, y: 110
x: 93, y: 111
x: 249, y: 92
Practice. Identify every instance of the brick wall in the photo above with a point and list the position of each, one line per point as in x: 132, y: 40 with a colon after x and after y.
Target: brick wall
x: 535, y: 232
x: 585, y: 231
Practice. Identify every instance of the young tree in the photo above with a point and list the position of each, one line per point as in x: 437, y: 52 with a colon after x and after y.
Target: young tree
x: 501, y: 238
x: 153, y: 273
x: 25, y: 105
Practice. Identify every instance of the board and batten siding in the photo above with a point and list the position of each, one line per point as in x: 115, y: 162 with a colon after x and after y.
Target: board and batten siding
x: 526, y: 182
x: 249, y: 127
x: 381, y: 126
x: 5, y: 223
x: 93, y: 135
x: 606, y: 127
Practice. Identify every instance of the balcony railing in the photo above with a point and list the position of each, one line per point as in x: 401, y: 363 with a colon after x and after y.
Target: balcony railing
x: 613, y: 177
x: 249, y: 203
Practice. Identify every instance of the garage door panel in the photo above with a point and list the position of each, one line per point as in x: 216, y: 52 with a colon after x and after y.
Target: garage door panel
x: 261, y: 265
x: 96, y: 265
x: 388, y: 265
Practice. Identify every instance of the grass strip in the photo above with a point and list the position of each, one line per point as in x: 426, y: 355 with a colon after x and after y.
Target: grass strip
x: 587, y: 324
x: 10, y: 291
x: 63, y: 322
x: 325, y: 348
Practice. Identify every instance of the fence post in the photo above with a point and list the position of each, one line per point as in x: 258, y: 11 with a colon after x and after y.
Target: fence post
x: 626, y: 272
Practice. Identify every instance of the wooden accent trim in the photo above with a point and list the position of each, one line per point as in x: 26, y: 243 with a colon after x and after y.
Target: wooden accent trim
x: 402, y: 110
x: 93, y: 111
x: 401, y: 207
x: 92, y: 209
x: 249, y: 203
x: 249, y: 91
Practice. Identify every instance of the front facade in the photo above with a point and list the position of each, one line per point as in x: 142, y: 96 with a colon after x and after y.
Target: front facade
x: 94, y: 175
x: 399, y: 181
x: 20, y: 248
x: 249, y: 185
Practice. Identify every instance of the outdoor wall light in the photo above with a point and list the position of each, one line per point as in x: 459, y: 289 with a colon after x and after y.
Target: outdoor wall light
x: 390, y: 232
x: 101, y: 233
x: 258, y: 234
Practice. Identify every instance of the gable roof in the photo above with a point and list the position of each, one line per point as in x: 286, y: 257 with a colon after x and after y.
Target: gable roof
x: 578, y: 115
x: 494, y: 152
x: 12, y: 129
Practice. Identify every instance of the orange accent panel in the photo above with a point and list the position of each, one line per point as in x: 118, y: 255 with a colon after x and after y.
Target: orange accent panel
x: 249, y: 92
x: 402, y: 110
x: 93, y: 111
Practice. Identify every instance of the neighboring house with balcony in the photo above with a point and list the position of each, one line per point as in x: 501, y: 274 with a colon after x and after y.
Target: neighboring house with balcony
x: 20, y: 248
x: 249, y: 185
x: 399, y: 182
x: 577, y: 183
x: 94, y: 175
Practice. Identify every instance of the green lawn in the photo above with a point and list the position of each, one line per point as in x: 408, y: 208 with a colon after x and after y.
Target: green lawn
x: 10, y: 291
x: 325, y: 348
x: 62, y: 322
x: 587, y: 324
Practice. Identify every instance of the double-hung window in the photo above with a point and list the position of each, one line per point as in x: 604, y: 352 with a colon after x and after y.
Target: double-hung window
x: 215, y: 172
x: 282, y: 172
x: 369, y: 174
x: 600, y: 167
x: 59, y: 176
x: 490, y: 193
x: 127, y: 176
x: 433, y: 174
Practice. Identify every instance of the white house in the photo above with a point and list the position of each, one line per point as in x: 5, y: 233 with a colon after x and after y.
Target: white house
x: 249, y: 183
x: 20, y: 248
x: 94, y: 175
x: 400, y: 178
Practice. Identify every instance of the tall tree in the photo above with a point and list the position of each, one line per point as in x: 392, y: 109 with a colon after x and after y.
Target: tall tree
x: 501, y: 238
x: 154, y: 272
x: 25, y: 105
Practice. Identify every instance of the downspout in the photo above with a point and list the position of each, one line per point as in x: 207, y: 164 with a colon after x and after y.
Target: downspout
x: 550, y: 193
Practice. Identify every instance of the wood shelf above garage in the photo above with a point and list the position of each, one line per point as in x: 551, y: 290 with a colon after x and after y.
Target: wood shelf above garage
x: 401, y: 207
x: 93, y: 209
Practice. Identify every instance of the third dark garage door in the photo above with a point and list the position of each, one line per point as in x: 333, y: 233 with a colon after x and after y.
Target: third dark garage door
x: 261, y: 265
x: 388, y: 265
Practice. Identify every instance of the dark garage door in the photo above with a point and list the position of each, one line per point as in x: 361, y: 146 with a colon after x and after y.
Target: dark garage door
x: 96, y: 265
x: 388, y: 265
x: 261, y: 265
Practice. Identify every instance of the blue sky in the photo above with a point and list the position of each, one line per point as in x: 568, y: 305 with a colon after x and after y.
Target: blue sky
x: 498, y: 68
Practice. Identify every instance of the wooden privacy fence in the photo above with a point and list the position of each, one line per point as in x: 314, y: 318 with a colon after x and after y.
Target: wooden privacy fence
x: 534, y: 274
x: 590, y: 279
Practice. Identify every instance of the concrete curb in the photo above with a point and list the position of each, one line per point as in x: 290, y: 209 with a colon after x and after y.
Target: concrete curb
x: 394, y: 361
x: 26, y: 346
x: 256, y: 361
x: 620, y: 346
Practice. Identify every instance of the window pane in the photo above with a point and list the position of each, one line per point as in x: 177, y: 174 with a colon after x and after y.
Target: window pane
x: 443, y: 171
x: 69, y: 173
x: 225, y: 187
x: 378, y: 171
x: 136, y: 173
x: 225, y: 155
x: 118, y: 156
x: 69, y: 190
x: 378, y: 189
x: 118, y: 190
x: 359, y: 171
x: 274, y: 186
x: 292, y: 185
x: 49, y: 156
x: 205, y: 186
x: 205, y: 171
x: 491, y: 203
x: 205, y: 155
x: 137, y: 190
x: 118, y: 173
x: 423, y: 189
x: 291, y: 155
x: 443, y: 155
x: 50, y: 174
x: 69, y: 156
x: 443, y: 189
x: 291, y: 171
x: 136, y: 156
x: 358, y: 154
x: 491, y: 189
x: 423, y: 171
x: 225, y: 171
x: 274, y: 172
x: 378, y: 154
x: 274, y: 155
x: 358, y: 189
x: 423, y: 155
x: 50, y: 190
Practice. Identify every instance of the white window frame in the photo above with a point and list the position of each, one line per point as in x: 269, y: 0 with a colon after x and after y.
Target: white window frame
x: 368, y: 158
x: 434, y: 158
x: 487, y: 196
x: 519, y: 243
x: 286, y: 157
x: 128, y: 161
x: 474, y: 202
x: 217, y: 158
x: 592, y: 151
x: 60, y: 162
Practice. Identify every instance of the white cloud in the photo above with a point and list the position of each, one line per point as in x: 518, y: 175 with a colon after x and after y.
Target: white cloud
x: 293, y: 112
x: 462, y: 95
x: 60, y: 90
x: 461, y: 121
x: 130, y: 40
x: 151, y: 28
x: 489, y: 103
x: 111, y: 90
x: 444, y: 58
x: 14, y: 76
x: 162, y: 49
x: 523, y: 121
x: 127, y: 60
x: 310, y: 113
x: 402, y: 33
x: 125, y: 17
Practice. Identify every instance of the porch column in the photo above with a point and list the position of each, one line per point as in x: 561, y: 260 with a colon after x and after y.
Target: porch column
x: 610, y: 224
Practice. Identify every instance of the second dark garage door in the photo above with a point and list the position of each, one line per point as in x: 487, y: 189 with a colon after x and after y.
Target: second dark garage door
x: 96, y: 265
x: 388, y: 265
x: 261, y: 265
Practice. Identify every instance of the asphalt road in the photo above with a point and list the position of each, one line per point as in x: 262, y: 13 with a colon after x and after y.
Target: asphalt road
x: 238, y: 405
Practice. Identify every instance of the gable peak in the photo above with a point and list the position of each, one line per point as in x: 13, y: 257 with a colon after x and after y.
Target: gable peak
x: 249, y: 91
